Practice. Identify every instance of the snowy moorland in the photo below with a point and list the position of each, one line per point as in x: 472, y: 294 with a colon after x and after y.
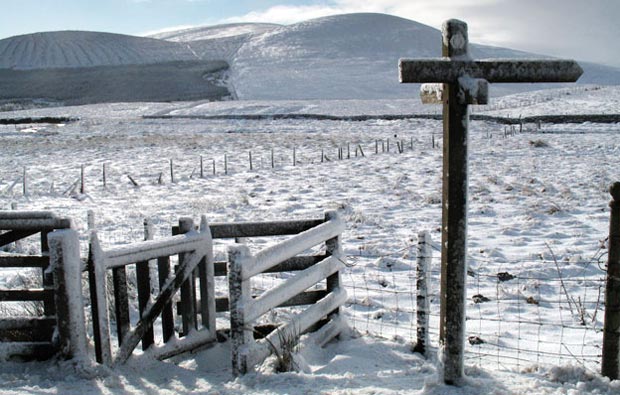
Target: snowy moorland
x: 537, y: 228
x: 352, y: 56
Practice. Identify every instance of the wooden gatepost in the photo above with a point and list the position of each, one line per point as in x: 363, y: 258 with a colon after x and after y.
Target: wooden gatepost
x: 463, y: 81
x: 59, y: 294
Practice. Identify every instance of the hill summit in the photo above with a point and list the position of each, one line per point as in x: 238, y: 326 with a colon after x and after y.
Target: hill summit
x: 352, y: 56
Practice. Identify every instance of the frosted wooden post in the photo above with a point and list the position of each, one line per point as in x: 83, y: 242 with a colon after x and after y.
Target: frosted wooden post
x: 240, y: 298
x: 425, y: 255
x: 333, y: 248
x: 82, y: 182
x: 465, y: 81
x: 24, y: 183
x: 67, y: 268
x: 611, y: 328
x: 188, y: 289
x: 206, y: 270
x: 143, y: 279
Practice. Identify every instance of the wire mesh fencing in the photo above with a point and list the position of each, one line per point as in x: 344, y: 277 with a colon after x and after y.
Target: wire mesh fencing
x: 522, y: 313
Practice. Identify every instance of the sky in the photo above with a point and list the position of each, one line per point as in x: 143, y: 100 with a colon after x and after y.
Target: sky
x: 586, y: 30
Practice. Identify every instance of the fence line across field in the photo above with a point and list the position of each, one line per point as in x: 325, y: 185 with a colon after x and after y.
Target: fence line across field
x: 205, y: 167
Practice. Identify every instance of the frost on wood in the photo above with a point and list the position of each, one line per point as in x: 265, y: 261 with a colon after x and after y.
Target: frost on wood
x: 67, y: 267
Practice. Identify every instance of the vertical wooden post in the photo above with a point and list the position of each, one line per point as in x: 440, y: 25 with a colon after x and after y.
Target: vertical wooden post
x: 454, y: 216
x: 250, y: 157
x: 423, y: 262
x: 611, y: 328
x: 188, y: 289
x: 202, y: 172
x: 171, y: 171
x: 167, y: 315
x: 206, y: 274
x: 240, y: 296
x: 272, y: 161
x: 376, y: 147
x: 225, y: 164
x: 294, y: 157
x: 49, y: 305
x: 322, y: 155
x: 24, y: 183
x: 143, y: 279
x: 99, y: 301
x: 105, y: 185
x: 333, y: 247
x: 348, y: 150
x: 213, y: 166
x: 82, y: 186
x: 67, y: 268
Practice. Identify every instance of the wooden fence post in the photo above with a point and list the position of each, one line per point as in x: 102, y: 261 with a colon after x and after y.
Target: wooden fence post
x: 425, y: 254
x: 143, y: 279
x: 206, y: 273
x: 24, y: 183
x: 240, y: 297
x: 67, y: 268
x: 202, y: 173
x: 333, y: 248
x: 171, y: 171
x: 82, y: 182
x: 188, y: 289
x: 611, y: 329
x: 104, y: 176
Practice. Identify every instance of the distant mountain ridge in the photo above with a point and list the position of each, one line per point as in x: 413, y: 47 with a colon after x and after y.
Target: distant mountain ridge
x: 352, y: 56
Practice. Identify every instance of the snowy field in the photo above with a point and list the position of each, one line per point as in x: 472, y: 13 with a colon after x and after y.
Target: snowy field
x: 538, y: 212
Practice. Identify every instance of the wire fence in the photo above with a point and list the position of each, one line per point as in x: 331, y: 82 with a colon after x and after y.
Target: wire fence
x: 537, y: 313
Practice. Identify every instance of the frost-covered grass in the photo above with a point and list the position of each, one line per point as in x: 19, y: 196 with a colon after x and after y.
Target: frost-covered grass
x: 529, y: 204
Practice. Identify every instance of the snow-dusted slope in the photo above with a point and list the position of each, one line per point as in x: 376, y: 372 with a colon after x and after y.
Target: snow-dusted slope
x: 218, y: 31
x: 87, y: 49
x: 350, y: 56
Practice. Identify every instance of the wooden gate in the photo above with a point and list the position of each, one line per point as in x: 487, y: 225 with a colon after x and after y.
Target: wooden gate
x: 195, y: 254
x: 29, y: 336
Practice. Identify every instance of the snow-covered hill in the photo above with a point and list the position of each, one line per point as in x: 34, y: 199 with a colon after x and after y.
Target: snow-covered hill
x: 352, y: 56
x: 86, y: 49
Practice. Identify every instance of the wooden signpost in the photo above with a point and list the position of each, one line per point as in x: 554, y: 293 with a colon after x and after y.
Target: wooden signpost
x: 465, y: 81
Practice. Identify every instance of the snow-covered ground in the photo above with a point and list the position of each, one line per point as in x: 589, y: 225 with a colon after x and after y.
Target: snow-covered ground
x: 538, y: 211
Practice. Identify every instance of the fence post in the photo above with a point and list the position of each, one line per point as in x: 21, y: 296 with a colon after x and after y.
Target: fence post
x: 143, y: 279
x: 188, y: 289
x: 423, y: 262
x: 240, y: 296
x: 611, y: 328
x: 67, y: 268
x: 333, y: 248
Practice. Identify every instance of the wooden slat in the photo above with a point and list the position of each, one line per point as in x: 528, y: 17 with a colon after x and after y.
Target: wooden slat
x: 305, y: 298
x: 27, y: 334
x: 143, y: 278
x: 296, y: 263
x: 23, y: 295
x: 17, y: 214
x: 23, y: 261
x: 17, y: 323
x: 28, y: 351
x: 258, y: 229
x: 35, y: 224
x: 14, y: 235
x: 497, y: 70
x: 121, y: 302
x: 167, y: 316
